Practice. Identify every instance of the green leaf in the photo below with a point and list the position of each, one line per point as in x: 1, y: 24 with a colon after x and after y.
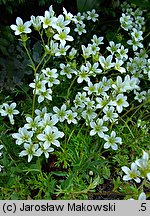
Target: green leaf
x: 106, y: 172
x: 59, y: 173
x: 86, y: 5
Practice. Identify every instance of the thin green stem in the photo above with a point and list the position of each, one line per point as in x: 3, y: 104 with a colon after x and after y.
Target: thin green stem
x: 27, y: 51
x: 41, y: 35
x: 68, y: 92
x: 127, y: 126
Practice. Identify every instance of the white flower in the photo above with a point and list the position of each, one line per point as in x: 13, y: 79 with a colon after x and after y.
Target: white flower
x: 70, y: 117
x: 47, y: 20
x: 72, y: 53
x: 36, y: 22
x: 120, y: 86
x: 63, y: 36
x: 140, y: 96
x: 137, y: 35
x: 66, y: 70
x: 60, y: 23
x: 92, y: 15
x: 99, y: 88
x: 106, y: 63
x: 9, y: 110
x: 39, y: 83
x: 62, y: 50
x: 98, y: 128
x: 50, y: 72
x: 40, y: 113
x: 126, y: 21
x: 30, y: 151
x: 49, y: 120
x: 135, y: 44
x: 60, y: 113
x: 50, y: 136
x: 78, y: 18
x: 90, y: 88
x: 80, y: 100
x: 83, y: 75
x: 51, y: 11
x: 44, y: 149
x: 131, y: 83
x: 120, y: 102
x: 113, y: 48
x: 50, y: 79
x: 52, y: 48
x: 122, y: 53
x: 80, y: 28
x: 21, y: 27
x: 68, y: 16
x: 45, y: 93
x: 89, y: 114
x: 102, y: 102
x: 118, y: 66
x: 86, y: 51
x: 143, y: 164
x: 32, y: 123
x: 97, y: 40
x: 94, y: 49
x: 23, y: 136
x: 110, y: 115
x: 132, y: 173
x: 90, y: 103
x: 112, y: 141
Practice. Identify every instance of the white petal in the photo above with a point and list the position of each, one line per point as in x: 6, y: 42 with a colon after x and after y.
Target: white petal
x: 13, y: 27
x: 142, y: 196
x: 148, y: 176
x: 41, y: 137
x: 125, y: 169
x: 19, y: 21
x: 114, y: 147
x: 92, y: 133
x: 23, y: 153
x: 106, y: 145
x: 126, y: 178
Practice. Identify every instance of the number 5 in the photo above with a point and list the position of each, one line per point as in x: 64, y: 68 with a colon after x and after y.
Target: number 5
x: 143, y: 206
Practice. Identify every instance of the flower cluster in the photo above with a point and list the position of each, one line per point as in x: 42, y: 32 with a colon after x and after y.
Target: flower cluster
x: 102, y: 98
x: 139, y: 169
x: 39, y: 134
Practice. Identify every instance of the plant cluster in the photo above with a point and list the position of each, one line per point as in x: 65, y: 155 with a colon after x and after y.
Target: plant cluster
x: 79, y: 101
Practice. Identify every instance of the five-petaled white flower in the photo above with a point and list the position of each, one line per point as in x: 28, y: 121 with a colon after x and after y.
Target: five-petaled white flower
x: 44, y: 149
x: 120, y: 102
x: 50, y: 136
x: 112, y: 141
x: 63, y: 36
x: 132, y: 173
x: 98, y: 128
x: 9, y: 110
x: 30, y: 151
x: 23, y: 136
x: 60, y: 114
x: 144, y: 165
x: 21, y: 27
